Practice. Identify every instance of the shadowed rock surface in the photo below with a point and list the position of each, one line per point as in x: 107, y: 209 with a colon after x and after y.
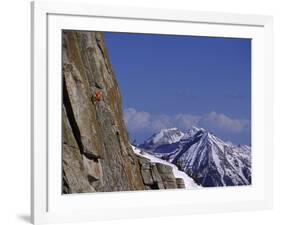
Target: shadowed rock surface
x: 97, y: 155
x: 158, y: 175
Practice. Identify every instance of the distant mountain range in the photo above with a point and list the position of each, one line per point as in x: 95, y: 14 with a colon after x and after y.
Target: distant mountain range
x: 210, y: 161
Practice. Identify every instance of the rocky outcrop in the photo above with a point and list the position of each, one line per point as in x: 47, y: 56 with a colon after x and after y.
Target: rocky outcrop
x: 97, y: 155
x: 158, y: 175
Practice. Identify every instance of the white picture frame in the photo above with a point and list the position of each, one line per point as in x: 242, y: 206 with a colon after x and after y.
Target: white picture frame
x: 47, y: 203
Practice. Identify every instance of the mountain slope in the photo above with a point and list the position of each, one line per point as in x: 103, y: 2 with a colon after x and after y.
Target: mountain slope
x: 208, y: 160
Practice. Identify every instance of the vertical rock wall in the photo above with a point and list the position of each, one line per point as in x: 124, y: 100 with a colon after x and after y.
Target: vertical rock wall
x: 97, y: 155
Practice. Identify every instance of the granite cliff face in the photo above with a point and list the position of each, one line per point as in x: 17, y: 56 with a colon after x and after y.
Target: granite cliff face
x: 97, y: 155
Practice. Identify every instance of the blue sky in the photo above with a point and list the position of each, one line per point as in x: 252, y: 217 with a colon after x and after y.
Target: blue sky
x: 180, y: 81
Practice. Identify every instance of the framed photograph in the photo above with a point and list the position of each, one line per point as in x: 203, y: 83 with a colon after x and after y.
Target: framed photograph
x: 141, y: 112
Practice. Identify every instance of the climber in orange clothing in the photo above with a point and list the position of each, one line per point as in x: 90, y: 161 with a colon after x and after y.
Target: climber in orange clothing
x: 98, y: 95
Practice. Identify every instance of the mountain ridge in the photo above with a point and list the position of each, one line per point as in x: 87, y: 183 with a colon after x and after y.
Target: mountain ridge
x: 207, y: 158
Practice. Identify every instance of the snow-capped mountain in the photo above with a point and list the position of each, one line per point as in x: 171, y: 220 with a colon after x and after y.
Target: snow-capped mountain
x: 207, y: 159
x: 165, y: 136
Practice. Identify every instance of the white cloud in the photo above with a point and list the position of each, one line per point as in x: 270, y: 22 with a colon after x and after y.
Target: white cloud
x: 185, y: 121
x: 136, y: 120
x: 144, y: 121
x: 222, y: 122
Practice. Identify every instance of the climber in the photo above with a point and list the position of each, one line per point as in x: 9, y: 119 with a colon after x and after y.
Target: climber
x: 98, y: 95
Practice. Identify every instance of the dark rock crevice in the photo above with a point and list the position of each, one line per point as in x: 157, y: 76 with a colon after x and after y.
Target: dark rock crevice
x: 71, y: 118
